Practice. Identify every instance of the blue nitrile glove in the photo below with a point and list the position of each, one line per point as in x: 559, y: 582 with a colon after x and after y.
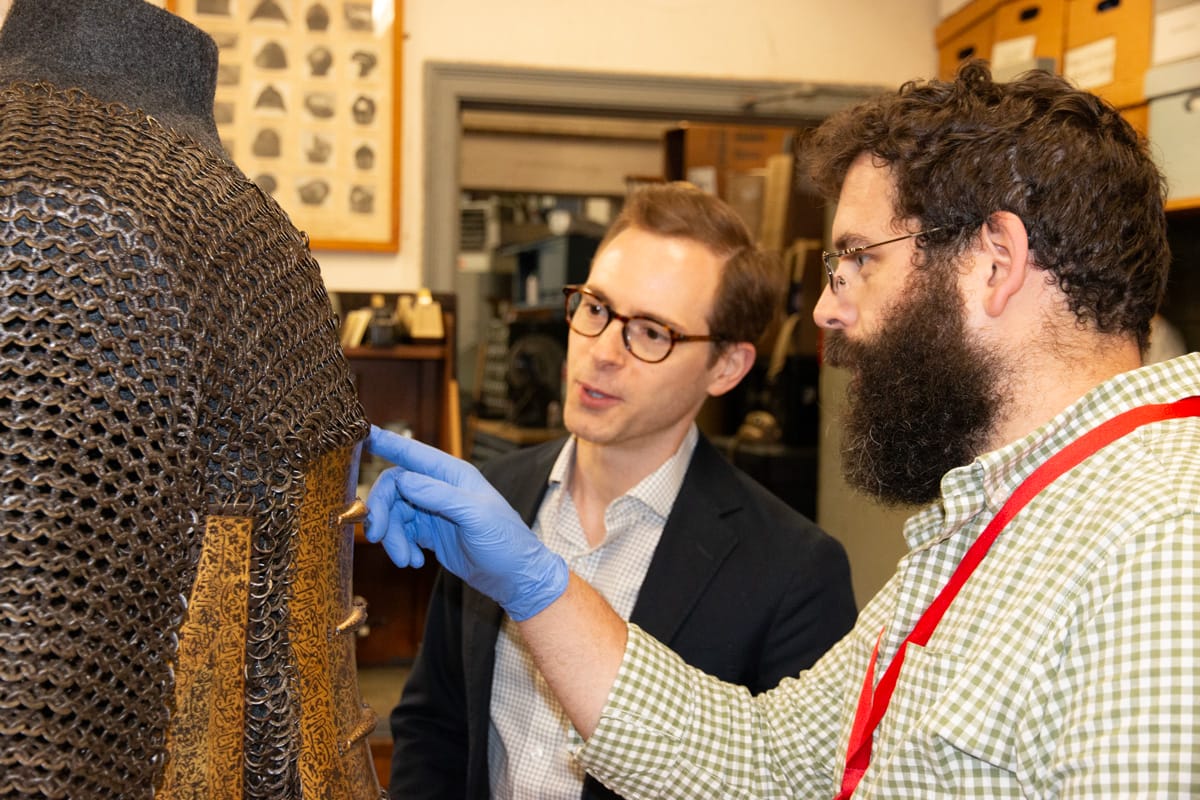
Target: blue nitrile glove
x: 438, y: 502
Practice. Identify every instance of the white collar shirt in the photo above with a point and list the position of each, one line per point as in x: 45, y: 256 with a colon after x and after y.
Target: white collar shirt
x: 529, y: 736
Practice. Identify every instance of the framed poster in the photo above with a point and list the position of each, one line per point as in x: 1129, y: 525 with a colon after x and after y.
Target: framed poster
x: 306, y: 105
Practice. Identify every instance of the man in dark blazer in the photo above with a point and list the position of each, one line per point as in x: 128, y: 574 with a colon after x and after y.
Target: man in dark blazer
x: 725, y: 573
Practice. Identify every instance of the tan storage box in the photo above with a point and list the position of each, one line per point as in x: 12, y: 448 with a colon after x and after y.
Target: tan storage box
x: 967, y: 33
x: 1176, y: 31
x: 1139, y: 117
x: 1028, y: 31
x: 1174, y: 92
x: 1108, y: 48
x: 708, y: 154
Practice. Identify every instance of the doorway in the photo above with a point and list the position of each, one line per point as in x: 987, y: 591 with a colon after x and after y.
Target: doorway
x: 644, y: 100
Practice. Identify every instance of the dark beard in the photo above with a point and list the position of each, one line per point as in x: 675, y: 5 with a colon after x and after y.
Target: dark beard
x: 922, y: 399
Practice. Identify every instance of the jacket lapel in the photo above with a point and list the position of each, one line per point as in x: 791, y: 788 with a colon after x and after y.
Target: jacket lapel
x: 697, y: 538
x: 482, y: 617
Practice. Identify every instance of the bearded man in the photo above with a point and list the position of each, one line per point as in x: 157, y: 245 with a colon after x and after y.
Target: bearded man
x: 1000, y: 250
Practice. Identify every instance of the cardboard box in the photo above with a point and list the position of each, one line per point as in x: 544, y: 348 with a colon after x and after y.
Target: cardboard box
x: 1108, y: 48
x: 1176, y: 30
x: 708, y: 154
x: 967, y: 34
x: 1012, y: 70
x: 1028, y: 31
x: 1139, y: 117
x: 1174, y: 92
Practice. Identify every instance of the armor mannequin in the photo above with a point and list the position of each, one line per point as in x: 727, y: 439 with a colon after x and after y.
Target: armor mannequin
x: 179, y: 444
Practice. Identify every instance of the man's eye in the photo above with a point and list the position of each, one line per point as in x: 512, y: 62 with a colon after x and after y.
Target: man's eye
x: 653, y: 333
x: 861, y: 259
x: 595, y: 309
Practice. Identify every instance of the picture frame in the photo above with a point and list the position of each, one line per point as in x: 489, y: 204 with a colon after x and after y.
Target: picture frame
x: 307, y: 106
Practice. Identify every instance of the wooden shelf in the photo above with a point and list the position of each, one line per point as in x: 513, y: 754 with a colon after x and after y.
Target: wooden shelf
x: 416, y: 351
x: 1184, y: 206
x: 516, y: 434
x: 411, y: 383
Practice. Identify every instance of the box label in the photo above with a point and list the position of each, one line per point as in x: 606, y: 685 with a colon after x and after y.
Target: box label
x: 1093, y: 64
x: 703, y: 177
x: 1013, y: 52
x: 1177, y: 33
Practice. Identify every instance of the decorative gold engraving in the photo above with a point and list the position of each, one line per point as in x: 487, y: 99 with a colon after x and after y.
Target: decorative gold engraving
x: 206, y: 732
x: 335, y: 761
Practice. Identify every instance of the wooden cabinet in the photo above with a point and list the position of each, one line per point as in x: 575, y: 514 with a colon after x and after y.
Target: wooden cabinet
x: 405, y: 383
x: 413, y: 384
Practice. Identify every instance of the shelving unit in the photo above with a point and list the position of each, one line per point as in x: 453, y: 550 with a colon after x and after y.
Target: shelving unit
x: 1181, y: 306
x: 412, y: 384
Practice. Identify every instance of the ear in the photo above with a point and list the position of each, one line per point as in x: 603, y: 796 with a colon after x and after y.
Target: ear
x: 1005, y: 245
x: 732, y: 365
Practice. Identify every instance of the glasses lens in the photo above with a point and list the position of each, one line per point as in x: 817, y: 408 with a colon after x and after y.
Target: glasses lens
x: 831, y: 265
x: 587, y: 315
x: 648, y: 340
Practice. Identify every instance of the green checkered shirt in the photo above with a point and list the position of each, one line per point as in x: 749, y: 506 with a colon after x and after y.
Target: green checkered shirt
x: 1068, y: 665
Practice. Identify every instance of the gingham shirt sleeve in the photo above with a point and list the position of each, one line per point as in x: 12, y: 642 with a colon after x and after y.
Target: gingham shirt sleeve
x: 670, y: 731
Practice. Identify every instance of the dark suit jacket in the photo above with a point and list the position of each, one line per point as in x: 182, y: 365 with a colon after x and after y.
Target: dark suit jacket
x: 740, y: 585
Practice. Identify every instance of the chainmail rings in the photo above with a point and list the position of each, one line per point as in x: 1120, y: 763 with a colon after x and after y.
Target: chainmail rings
x: 169, y: 356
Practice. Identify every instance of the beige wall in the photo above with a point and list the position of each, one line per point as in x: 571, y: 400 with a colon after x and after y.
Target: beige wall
x: 870, y: 533
x: 849, y: 41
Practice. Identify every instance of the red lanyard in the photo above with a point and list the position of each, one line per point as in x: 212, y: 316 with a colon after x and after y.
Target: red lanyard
x: 873, y: 704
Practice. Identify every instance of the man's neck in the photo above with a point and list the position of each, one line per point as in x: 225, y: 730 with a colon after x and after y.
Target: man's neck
x: 1047, y: 384
x: 602, y: 473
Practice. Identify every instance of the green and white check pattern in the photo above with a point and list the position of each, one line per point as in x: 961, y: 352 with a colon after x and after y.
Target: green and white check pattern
x: 1068, y: 666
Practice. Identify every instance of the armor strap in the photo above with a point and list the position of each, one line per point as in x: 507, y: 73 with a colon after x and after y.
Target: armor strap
x: 206, y: 740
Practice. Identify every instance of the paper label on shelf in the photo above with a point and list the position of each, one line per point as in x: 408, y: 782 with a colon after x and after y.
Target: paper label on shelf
x: 1177, y: 33
x: 1012, y: 52
x: 703, y: 178
x: 1092, y: 64
x: 531, y: 290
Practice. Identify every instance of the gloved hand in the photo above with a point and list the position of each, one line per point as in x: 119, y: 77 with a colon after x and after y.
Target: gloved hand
x: 434, y: 501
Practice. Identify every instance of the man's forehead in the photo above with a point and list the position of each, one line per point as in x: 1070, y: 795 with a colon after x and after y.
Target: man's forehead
x: 648, y: 274
x: 865, y: 205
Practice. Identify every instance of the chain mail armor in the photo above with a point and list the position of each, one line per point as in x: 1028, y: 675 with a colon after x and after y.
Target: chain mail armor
x: 179, y: 428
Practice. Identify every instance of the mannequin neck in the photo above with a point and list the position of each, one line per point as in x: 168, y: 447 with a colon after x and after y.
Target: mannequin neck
x: 121, y: 51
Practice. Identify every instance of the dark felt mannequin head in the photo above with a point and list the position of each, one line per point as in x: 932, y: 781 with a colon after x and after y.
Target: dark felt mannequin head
x: 124, y: 51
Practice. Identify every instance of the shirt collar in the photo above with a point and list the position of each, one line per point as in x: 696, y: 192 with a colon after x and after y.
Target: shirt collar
x: 988, y: 481
x: 657, y: 490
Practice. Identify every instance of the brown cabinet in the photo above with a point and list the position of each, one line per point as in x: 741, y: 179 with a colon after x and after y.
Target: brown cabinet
x: 412, y: 384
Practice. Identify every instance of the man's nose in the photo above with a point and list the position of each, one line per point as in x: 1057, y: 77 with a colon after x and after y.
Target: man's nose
x: 609, y: 346
x: 833, y: 312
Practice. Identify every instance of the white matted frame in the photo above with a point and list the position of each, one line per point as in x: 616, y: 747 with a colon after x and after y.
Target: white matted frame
x: 307, y: 106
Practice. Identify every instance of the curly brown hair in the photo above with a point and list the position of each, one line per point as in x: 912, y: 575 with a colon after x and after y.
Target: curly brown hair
x: 750, y: 291
x: 1066, y: 163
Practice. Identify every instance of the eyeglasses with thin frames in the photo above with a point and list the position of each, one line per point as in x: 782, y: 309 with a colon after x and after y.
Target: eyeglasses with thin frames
x: 646, y: 339
x: 833, y: 260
